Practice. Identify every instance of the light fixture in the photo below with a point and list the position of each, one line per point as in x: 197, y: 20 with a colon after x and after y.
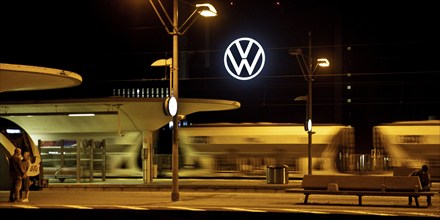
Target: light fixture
x: 308, y: 127
x: 163, y: 62
x: 13, y: 131
x: 170, y: 23
x: 206, y: 10
x: 323, y: 62
x: 166, y: 62
x: 71, y: 114
x: 308, y: 70
x: 301, y: 98
x: 173, y: 28
x: 295, y: 51
x: 81, y: 115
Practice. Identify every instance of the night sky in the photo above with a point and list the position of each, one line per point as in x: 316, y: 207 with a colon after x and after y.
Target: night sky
x: 385, y: 51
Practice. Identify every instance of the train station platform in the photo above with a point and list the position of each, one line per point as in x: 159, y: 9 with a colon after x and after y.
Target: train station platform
x: 184, y: 184
x: 165, y: 184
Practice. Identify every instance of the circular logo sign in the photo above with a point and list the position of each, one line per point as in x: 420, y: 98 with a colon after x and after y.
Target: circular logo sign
x: 244, y: 52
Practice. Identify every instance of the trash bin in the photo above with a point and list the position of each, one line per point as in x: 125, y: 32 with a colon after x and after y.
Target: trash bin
x: 277, y: 174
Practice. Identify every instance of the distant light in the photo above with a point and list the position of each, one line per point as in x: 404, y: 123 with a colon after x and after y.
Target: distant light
x: 82, y: 115
x: 349, y: 100
x: 53, y: 152
x: 170, y: 124
x: 348, y: 87
x: 301, y: 98
x: 323, y: 62
x: 13, y: 131
x: 309, y: 125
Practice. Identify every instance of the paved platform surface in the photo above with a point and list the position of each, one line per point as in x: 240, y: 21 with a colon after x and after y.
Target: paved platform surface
x: 202, y: 205
x: 185, y: 184
x: 201, y: 199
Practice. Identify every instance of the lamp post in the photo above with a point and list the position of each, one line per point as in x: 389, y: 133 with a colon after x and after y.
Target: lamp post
x: 173, y: 28
x: 308, y: 70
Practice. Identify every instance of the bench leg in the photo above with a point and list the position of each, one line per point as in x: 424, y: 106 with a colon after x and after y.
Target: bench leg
x: 306, y: 198
x: 360, y: 199
x: 416, y: 198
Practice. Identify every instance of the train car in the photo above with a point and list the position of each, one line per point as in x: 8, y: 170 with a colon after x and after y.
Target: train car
x: 246, y: 149
x: 12, y: 136
x: 409, y: 145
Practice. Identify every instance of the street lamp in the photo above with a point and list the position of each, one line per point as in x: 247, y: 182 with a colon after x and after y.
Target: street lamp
x: 165, y: 62
x: 309, y: 72
x: 172, y: 27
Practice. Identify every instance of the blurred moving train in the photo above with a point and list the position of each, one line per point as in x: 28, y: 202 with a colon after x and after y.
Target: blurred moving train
x: 409, y: 145
x: 246, y: 149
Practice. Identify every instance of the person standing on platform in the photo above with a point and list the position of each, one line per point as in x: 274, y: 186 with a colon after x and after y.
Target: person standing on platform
x: 17, y: 173
x: 26, y: 165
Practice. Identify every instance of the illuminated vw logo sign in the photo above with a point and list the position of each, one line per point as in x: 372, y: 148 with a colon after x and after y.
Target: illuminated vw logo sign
x: 244, y: 52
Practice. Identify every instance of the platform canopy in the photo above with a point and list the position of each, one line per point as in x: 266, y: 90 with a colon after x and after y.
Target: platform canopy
x: 114, y: 114
x: 14, y: 77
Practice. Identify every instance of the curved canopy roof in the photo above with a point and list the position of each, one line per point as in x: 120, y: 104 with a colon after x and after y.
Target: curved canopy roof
x: 14, y: 77
x: 114, y: 114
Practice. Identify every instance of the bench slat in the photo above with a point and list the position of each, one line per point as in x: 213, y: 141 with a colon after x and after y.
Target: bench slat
x: 362, y: 193
x: 367, y: 183
x: 402, y: 183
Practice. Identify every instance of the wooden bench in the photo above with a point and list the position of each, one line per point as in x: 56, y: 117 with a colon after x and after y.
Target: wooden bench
x: 361, y: 186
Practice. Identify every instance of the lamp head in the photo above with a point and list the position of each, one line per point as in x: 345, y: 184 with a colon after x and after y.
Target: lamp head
x: 295, y: 51
x: 301, y: 98
x: 163, y: 62
x: 323, y: 62
x: 206, y: 10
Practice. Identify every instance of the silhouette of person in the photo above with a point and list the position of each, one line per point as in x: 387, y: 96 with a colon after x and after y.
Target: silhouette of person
x: 425, y: 180
x: 26, y: 165
x: 17, y: 173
